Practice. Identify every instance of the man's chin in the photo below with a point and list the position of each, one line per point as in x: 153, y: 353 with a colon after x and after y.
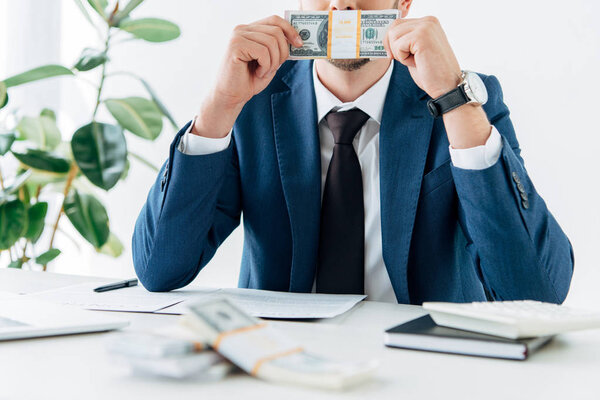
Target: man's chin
x: 351, y: 64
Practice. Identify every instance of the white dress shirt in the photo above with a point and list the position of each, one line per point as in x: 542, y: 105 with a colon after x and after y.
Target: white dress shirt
x: 378, y: 286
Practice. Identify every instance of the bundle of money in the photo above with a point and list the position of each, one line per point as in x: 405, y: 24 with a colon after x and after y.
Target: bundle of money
x: 344, y: 34
x: 171, y: 354
x: 262, y: 351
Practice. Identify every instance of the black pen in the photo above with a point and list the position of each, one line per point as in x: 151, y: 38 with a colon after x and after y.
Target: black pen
x: 117, y: 285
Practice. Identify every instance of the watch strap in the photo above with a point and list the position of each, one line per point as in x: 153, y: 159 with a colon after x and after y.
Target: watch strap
x: 448, y: 102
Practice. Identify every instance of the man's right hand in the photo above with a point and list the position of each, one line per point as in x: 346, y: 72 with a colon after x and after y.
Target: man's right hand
x: 254, y: 54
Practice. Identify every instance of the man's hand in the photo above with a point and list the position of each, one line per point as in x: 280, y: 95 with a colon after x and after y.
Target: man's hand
x: 422, y: 46
x: 253, y: 56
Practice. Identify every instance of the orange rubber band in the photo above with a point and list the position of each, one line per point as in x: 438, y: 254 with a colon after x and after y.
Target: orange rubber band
x: 223, y: 335
x: 358, y: 35
x: 263, y: 360
x: 329, y: 33
x: 198, y: 347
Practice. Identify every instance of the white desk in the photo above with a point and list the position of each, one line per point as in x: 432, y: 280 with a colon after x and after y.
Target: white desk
x: 77, y: 367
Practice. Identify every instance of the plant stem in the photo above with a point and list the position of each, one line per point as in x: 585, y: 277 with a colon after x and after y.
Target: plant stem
x: 143, y: 161
x: 70, y: 177
x: 73, y: 169
x: 102, y: 76
x: 89, y: 82
x: 24, y: 258
x: 1, y: 180
x: 131, y: 39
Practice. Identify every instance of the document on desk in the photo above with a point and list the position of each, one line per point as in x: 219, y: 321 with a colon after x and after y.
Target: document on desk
x: 282, y: 305
x: 132, y: 299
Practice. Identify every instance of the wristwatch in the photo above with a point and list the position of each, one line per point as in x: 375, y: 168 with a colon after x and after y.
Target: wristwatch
x: 470, y: 91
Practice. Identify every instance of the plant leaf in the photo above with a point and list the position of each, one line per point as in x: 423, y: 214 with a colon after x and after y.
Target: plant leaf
x: 48, y: 113
x: 44, y: 160
x: 43, y: 72
x: 47, y: 256
x: 16, y: 185
x: 99, y: 6
x: 3, y: 94
x: 5, y: 101
x: 151, y: 29
x: 125, y: 173
x: 43, y: 178
x: 159, y: 103
x: 138, y: 115
x: 24, y: 195
x: 113, y: 246
x: 84, y: 11
x: 40, y: 130
x: 126, y: 10
x: 88, y: 216
x: 36, y: 214
x: 90, y: 59
x: 100, y: 151
x: 6, y: 141
x: 13, y: 223
x: 16, y: 264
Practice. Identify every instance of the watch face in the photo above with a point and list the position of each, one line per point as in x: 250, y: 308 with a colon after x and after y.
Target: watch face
x: 477, y: 87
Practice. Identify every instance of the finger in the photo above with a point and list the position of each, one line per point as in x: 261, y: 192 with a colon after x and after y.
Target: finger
x: 425, y: 24
x: 402, y: 49
x: 275, y: 31
x: 270, y: 42
x: 386, y: 45
x: 288, y: 30
x: 399, y: 30
x: 249, y: 50
x: 404, y: 22
x: 396, y: 30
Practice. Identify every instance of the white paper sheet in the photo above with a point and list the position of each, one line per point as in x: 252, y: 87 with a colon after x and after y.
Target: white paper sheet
x: 269, y: 304
x: 259, y: 303
x: 132, y: 299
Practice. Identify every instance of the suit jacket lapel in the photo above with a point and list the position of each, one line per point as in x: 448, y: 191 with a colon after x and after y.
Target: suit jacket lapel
x: 405, y: 133
x: 298, y: 154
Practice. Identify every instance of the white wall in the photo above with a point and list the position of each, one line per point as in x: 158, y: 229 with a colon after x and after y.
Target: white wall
x: 546, y: 54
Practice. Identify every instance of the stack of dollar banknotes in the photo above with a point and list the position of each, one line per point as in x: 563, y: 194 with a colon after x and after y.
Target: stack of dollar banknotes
x: 344, y: 34
x: 216, y: 337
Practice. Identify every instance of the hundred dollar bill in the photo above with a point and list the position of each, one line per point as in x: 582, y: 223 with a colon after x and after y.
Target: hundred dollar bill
x: 264, y: 352
x: 342, y: 34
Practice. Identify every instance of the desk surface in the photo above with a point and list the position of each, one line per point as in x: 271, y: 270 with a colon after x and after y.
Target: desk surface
x: 77, y: 367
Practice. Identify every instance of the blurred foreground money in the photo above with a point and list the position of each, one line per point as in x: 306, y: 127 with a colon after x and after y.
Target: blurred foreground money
x: 173, y: 353
x: 343, y: 34
x: 264, y: 352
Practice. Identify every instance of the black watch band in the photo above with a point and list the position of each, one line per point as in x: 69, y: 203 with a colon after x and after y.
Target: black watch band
x: 448, y: 102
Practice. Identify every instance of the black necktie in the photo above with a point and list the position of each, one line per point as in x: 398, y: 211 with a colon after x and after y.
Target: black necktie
x: 342, y: 237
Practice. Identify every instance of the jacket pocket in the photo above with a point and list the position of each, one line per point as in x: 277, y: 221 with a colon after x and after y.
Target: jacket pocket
x: 436, y: 178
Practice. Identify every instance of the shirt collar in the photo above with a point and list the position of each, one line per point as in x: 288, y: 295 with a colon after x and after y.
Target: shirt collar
x: 371, y: 102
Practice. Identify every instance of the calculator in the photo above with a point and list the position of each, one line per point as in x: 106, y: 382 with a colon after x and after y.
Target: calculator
x: 512, y: 319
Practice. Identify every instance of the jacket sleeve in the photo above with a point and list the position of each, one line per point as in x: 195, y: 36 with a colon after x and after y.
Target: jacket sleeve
x: 519, y: 249
x: 192, y: 207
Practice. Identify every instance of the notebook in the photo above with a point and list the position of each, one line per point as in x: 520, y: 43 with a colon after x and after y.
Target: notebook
x: 423, y: 334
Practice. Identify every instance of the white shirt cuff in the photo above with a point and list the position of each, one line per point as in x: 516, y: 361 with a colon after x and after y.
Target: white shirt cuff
x: 479, y: 157
x: 195, y: 145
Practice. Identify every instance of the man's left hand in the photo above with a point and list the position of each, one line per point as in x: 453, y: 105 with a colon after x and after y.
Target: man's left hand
x: 422, y: 46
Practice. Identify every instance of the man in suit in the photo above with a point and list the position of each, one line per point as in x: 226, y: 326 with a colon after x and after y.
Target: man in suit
x: 346, y: 181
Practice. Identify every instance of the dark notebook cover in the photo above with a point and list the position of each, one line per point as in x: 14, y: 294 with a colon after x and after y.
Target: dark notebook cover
x: 423, y: 334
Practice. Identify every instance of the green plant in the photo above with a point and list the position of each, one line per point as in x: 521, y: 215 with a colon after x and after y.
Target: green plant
x: 97, y: 152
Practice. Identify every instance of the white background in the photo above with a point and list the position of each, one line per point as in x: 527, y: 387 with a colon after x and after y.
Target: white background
x: 546, y: 54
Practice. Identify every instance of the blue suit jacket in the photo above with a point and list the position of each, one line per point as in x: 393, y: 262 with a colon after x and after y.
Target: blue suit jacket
x: 448, y: 234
